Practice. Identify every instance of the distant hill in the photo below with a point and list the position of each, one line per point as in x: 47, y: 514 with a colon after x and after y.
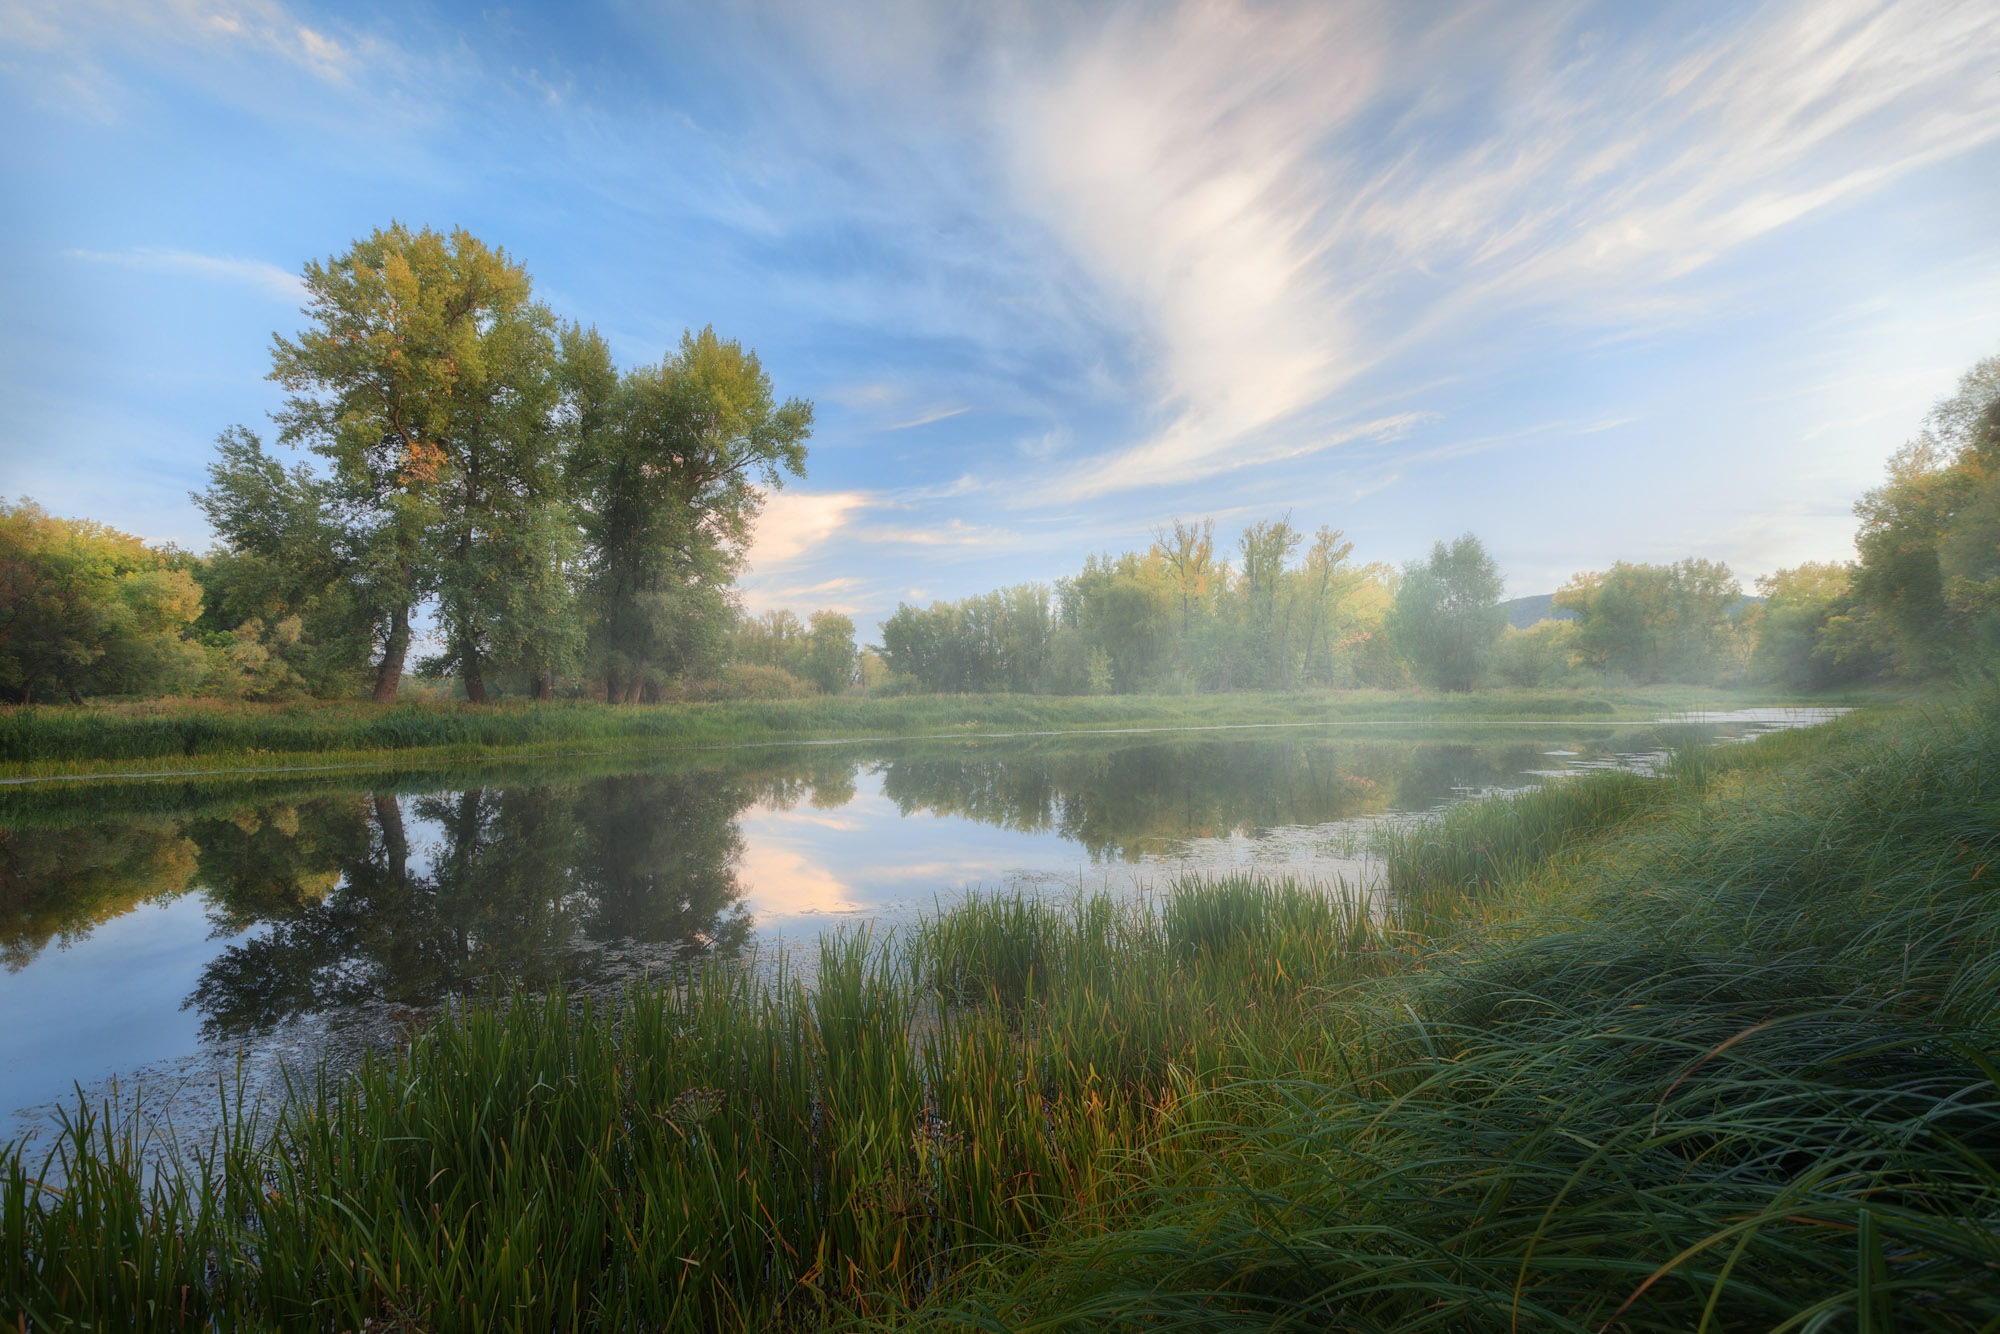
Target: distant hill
x: 1539, y: 607
x: 1533, y: 609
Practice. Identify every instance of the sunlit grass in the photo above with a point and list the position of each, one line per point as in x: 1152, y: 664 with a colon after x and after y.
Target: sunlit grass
x: 1717, y: 1051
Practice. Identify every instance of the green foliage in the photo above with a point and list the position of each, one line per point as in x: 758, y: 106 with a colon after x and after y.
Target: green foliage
x: 710, y: 1155
x: 495, y: 465
x: 1927, y: 586
x: 1804, y: 630
x: 823, y: 653
x: 421, y: 379
x: 1655, y: 622
x: 87, y: 610
x: 1173, y: 618
x: 1722, y: 1058
x: 1541, y: 655
x: 1447, y: 618
x: 197, y: 736
x: 667, y: 471
x: 998, y: 641
x: 751, y: 681
x: 285, y: 556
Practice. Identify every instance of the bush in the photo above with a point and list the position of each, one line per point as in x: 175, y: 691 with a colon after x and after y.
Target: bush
x: 749, y: 680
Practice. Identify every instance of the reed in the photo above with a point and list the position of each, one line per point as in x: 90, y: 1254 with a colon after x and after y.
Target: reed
x: 1713, y: 1051
x: 1730, y: 1064
x: 714, y: 1153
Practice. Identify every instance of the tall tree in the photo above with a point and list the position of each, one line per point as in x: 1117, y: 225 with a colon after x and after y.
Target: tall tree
x: 669, y: 482
x: 1325, y: 585
x: 1928, y: 581
x: 1266, y: 591
x: 1447, y: 617
x: 286, y: 554
x: 425, y: 378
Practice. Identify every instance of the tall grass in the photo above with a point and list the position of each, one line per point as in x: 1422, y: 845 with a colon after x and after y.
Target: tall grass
x: 716, y: 1154
x: 1718, y: 1051
x: 1733, y: 1063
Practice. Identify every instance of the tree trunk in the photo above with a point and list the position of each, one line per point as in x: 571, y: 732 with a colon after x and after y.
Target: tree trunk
x: 475, y: 684
x: 389, y: 818
x: 543, y: 686
x: 389, y: 672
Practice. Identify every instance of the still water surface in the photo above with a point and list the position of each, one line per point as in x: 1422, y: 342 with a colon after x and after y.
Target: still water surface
x: 159, y: 933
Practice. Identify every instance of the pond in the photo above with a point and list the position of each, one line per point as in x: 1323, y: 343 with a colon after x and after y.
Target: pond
x: 164, y: 935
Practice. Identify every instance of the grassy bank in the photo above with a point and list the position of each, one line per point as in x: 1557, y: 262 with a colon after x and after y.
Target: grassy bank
x: 193, y: 736
x: 1718, y: 1052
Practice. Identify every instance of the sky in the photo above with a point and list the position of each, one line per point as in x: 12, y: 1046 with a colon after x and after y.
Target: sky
x: 1596, y: 282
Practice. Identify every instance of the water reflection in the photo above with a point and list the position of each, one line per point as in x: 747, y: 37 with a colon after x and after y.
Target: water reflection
x: 410, y: 900
x: 319, y: 899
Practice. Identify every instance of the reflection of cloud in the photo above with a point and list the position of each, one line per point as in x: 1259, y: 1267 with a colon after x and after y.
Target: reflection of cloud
x: 779, y: 881
x: 251, y: 272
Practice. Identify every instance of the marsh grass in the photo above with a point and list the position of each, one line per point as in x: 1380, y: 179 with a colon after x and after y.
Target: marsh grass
x: 717, y: 1153
x: 1714, y: 1051
x: 1729, y: 1060
x: 191, y: 736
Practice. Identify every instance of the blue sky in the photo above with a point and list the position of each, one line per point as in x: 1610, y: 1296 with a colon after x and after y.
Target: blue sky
x: 1597, y: 282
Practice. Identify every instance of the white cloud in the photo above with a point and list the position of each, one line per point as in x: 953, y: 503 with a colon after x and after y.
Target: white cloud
x: 268, y: 278
x: 926, y: 418
x: 796, y: 523
x: 1282, y: 200
x: 74, y: 29
x: 955, y: 533
x: 837, y: 595
x: 1175, y: 153
x: 74, y: 55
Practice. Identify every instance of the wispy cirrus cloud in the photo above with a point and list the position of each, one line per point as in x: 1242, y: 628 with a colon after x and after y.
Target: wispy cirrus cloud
x: 925, y: 418
x: 1285, y: 200
x: 59, y: 45
x: 265, y: 277
x: 952, y: 533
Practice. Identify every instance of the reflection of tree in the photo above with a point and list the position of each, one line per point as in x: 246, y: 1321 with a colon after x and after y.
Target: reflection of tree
x: 57, y: 884
x: 822, y: 778
x: 520, y: 880
x: 1128, y: 801
x: 273, y: 862
x: 657, y: 861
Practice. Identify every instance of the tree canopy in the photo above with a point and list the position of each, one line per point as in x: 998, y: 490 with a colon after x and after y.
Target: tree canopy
x: 1447, y: 618
x: 88, y: 610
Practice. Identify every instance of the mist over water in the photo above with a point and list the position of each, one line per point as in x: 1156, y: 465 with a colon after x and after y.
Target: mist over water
x: 159, y: 933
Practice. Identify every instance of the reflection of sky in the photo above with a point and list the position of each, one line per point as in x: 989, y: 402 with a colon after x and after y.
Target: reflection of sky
x: 802, y: 868
x: 105, y: 1004
x: 110, y: 1001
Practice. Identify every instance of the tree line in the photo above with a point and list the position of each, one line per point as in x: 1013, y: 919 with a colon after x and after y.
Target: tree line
x: 575, y: 527
x: 1289, y: 609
